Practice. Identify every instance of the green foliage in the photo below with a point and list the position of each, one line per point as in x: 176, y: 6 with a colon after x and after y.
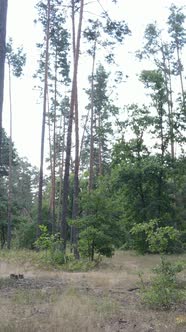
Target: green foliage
x: 150, y: 237
x: 93, y: 241
x: 51, y: 244
x: 25, y: 235
x: 163, y: 291
x: 15, y: 60
x: 99, y: 230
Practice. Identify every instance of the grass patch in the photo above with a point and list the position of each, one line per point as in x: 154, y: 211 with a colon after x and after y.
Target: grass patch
x: 21, y: 257
x: 44, y: 260
x: 34, y: 297
x: 77, y: 312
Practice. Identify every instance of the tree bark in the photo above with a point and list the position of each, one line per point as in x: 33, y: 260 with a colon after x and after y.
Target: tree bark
x: 54, y: 153
x: 100, y: 172
x: 75, y: 208
x: 3, y: 18
x: 69, y: 134
x: 40, y: 194
x: 61, y: 167
x: 167, y: 77
x: 180, y: 71
x: 91, y: 163
x: 9, y: 228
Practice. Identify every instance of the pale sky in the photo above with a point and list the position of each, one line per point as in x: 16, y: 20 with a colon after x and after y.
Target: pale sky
x: 27, y: 110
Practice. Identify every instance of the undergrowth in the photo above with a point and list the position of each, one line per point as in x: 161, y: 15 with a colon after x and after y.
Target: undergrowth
x: 164, y: 289
x: 46, y: 259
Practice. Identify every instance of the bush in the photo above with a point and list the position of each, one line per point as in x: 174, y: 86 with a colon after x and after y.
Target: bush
x: 51, y: 245
x: 150, y: 237
x: 163, y: 291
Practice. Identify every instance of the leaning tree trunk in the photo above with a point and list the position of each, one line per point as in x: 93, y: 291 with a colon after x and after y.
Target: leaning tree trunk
x: 40, y: 194
x: 69, y: 133
x: 3, y: 17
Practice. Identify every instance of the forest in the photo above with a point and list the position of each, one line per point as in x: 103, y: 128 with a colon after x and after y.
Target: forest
x: 112, y: 178
x: 114, y: 175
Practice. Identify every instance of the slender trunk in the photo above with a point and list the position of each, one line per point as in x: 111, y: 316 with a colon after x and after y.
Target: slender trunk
x: 171, y: 117
x: 162, y: 162
x: 9, y: 229
x: 100, y: 169
x: 167, y: 78
x: 180, y: 72
x: 3, y: 18
x: 61, y: 167
x: 40, y: 193
x: 91, y: 162
x: 50, y: 154
x: 75, y: 208
x: 83, y: 135
x: 54, y: 152
x: 69, y: 134
x: 140, y: 182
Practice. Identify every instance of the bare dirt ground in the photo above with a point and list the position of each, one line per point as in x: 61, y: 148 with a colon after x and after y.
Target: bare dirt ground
x: 102, y: 300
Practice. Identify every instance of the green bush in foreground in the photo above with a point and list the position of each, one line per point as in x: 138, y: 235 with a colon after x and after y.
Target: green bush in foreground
x: 163, y: 291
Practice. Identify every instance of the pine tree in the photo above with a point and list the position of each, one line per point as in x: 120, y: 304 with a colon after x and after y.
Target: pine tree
x: 3, y: 18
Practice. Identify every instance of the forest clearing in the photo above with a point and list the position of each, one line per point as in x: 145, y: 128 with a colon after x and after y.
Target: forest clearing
x: 104, y: 299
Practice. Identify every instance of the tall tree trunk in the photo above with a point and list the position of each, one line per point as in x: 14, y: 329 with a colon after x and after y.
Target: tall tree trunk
x: 69, y: 134
x: 91, y: 162
x: 54, y: 152
x: 100, y: 172
x: 3, y: 18
x: 75, y: 208
x: 9, y: 228
x: 180, y: 71
x: 160, y: 178
x: 51, y: 159
x: 168, y: 85
x: 171, y: 115
x: 40, y: 194
x: 61, y: 167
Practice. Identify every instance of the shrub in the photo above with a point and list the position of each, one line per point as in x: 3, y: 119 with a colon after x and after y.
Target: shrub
x: 163, y: 291
x: 52, y: 246
x: 150, y: 237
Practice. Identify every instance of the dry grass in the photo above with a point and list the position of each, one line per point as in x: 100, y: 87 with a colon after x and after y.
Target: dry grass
x: 91, y: 301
